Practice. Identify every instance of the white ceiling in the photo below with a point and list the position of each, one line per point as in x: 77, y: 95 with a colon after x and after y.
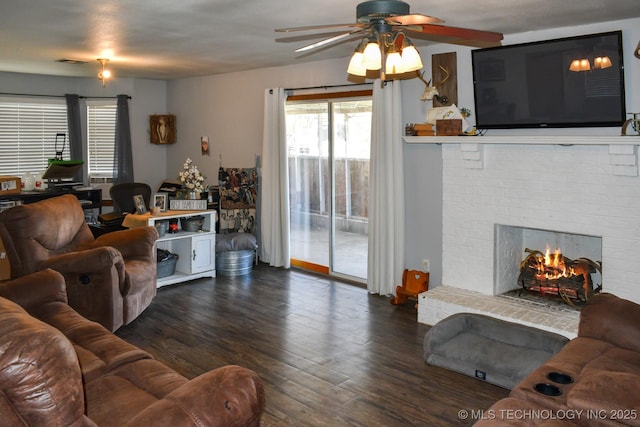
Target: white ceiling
x: 166, y: 39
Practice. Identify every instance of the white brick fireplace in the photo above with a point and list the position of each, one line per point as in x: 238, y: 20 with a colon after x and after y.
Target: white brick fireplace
x: 589, y: 188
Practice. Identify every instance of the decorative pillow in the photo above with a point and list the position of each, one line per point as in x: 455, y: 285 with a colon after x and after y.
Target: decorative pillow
x: 244, y: 241
x: 224, y: 243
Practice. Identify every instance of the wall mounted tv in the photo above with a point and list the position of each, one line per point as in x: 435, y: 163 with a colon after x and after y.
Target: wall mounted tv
x: 530, y: 85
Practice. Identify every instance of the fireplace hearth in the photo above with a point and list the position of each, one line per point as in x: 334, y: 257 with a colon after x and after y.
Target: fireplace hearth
x: 552, y: 273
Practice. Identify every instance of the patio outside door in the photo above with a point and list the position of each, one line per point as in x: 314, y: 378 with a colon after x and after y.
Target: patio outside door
x: 328, y: 146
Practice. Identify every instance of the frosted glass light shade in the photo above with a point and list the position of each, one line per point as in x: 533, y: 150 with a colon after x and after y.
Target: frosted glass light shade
x: 394, y: 63
x: 356, y: 66
x: 372, y: 57
x: 411, y: 60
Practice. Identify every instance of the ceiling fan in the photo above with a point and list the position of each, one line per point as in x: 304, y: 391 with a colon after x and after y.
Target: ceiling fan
x: 384, y: 23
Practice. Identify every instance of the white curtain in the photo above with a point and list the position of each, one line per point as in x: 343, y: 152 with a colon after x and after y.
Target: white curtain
x: 386, y: 191
x: 274, y: 189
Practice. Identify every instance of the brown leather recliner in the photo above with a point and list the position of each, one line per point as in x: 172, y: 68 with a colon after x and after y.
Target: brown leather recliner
x: 60, y: 369
x: 110, y: 279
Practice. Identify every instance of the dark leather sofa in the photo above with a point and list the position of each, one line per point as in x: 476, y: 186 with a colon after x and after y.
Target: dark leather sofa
x: 60, y: 369
x: 110, y: 280
x: 593, y: 381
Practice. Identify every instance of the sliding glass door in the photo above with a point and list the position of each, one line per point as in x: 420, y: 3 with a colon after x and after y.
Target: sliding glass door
x: 328, y: 145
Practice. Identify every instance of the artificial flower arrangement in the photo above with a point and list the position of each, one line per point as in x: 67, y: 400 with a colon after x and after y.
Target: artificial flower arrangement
x: 191, y: 178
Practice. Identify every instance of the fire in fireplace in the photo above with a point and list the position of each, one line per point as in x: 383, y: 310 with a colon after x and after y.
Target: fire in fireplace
x: 553, y: 273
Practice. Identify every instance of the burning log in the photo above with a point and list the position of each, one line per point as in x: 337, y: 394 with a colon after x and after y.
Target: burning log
x: 558, y: 275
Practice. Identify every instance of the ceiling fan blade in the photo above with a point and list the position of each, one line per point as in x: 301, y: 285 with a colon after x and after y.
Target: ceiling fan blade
x: 300, y: 38
x: 317, y: 27
x: 327, y: 41
x: 462, y: 36
x: 413, y: 19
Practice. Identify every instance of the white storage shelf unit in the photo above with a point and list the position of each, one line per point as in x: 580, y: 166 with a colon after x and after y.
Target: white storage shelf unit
x: 195, y: 250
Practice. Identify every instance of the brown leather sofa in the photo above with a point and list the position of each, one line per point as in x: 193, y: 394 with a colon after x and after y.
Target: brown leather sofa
x: 60, y: 369
x: 110, y: 280
x: 593, y: 381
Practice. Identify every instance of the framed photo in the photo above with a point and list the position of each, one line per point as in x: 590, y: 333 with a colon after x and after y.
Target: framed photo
x: 161, y: 201
x: 204, y: 145
x: 138, y: 202
x: 162, y: 129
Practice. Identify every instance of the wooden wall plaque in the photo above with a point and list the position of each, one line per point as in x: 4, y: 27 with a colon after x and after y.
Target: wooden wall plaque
x: 449, y: 88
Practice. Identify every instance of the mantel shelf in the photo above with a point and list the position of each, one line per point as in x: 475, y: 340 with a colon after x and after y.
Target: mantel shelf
x: 526, y: 140
x: 623, y: 154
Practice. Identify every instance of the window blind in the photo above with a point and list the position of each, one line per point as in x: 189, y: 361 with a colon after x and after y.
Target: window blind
x: 101, y: 128
x: 28, y: 135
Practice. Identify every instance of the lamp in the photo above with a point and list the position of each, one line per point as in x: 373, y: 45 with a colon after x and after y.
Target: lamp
x: 104, y: 74
x: 385, y: 48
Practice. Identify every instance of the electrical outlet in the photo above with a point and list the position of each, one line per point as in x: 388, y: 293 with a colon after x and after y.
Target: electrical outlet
x: 481, y: 375
x: 426, y: 264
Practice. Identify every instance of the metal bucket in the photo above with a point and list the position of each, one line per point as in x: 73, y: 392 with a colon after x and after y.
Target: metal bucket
x: 234, y: 263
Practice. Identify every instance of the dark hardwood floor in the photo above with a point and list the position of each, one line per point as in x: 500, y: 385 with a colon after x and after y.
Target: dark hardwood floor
x: 330, y: 354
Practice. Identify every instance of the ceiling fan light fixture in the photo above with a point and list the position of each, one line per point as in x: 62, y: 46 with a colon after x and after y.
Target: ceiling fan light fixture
x: 381, y: 22
x: 104, y: 73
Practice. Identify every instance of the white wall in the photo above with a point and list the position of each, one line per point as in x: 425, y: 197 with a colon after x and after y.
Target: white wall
x: 228, y: 108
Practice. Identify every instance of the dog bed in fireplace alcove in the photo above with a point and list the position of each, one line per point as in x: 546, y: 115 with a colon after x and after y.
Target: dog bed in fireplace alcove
x: 490, y: 349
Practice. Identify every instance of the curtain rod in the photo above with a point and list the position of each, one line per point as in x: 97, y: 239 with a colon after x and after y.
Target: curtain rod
x: 59, y: 96
x: 328, y: 86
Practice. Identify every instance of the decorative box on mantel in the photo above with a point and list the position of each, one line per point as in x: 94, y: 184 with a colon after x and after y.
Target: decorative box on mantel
x: 448, y: 127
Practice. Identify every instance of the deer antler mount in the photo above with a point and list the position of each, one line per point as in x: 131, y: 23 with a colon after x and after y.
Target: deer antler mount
x: 432, y: 92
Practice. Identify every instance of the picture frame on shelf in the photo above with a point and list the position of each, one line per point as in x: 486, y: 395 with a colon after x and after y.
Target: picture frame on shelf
x: 161, y: 201
x: 138, y: 202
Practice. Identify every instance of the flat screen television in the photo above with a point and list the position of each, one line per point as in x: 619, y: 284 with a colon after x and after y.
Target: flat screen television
x: 532, y: 85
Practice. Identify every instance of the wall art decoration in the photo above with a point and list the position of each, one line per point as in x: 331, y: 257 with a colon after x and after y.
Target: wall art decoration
x: 162, y: 129
x: 204, y: 145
